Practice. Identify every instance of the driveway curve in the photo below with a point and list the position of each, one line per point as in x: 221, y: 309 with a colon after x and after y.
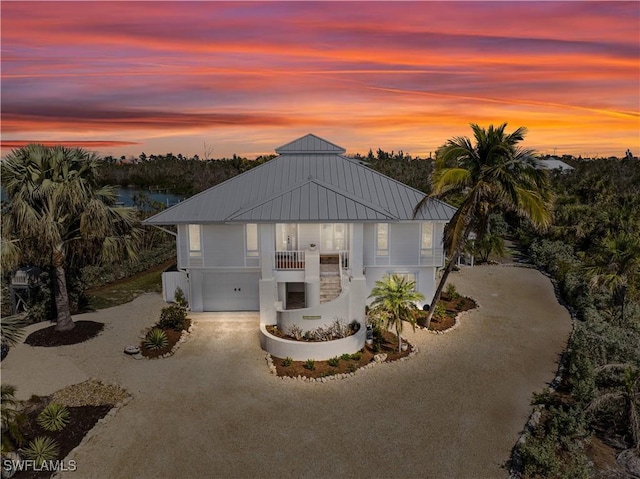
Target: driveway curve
x: 454, y: 410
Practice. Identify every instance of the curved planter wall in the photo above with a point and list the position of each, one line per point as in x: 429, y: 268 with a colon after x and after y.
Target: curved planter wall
x: 318, y: 316
x: 302, y: 350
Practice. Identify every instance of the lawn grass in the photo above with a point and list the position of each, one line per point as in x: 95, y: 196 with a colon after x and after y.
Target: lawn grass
x: 127, y: 289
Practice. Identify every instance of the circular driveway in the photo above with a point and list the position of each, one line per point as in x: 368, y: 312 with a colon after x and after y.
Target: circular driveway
x: 454, y: 410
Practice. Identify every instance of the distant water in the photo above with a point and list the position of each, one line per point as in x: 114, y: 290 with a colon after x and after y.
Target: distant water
x: 125, y: 196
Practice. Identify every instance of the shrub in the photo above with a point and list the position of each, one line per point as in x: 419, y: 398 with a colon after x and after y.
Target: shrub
x: 357, y: 356
x: 440, y: 312
x: 286, y: 362
x: 295, y: 332
x: 345, y: 357
x: 41, y: 449
x: 310, y: 364
x: 451, y: 292
x: 156, y: 339
x: 334, y: 361
x: 179, y: 297
x: 54, y: 417
x: 173, y: 317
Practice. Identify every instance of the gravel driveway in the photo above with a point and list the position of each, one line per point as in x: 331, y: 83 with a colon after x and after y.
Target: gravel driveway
x: 455, y: 410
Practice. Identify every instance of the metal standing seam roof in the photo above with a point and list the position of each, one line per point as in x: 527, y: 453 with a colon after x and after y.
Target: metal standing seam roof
x: 309, y: 182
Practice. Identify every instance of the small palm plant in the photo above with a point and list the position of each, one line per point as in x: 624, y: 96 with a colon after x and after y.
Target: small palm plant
x: 11, y: 419
x: 156, y: 339
x: 11, y: 330
x: 54, y: 417
x: 41, y: 449
x: 394, y: 302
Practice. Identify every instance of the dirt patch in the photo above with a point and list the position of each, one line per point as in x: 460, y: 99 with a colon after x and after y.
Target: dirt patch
x: 49, y: 337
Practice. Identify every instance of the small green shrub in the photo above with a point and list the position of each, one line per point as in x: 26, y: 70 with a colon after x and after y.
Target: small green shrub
x: 451, y: 292
x: 54, y: 417
x: 352, y: 368
x: 156, y: 339
x: 357, y: 356
x: 286, y: 362
x: 310, y: 364
x: 41, y: 449
x: 345, y: 357
x: 173, y: 317
x: 334, y: 361
x: 460, y: 303
x: 440, y: 312
x: 179, y: 298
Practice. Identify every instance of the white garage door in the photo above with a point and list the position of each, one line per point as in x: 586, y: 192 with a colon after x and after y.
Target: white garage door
x: 231, y: 292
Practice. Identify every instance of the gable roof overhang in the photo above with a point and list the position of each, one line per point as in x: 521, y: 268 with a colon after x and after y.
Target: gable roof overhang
x: 309, y: 182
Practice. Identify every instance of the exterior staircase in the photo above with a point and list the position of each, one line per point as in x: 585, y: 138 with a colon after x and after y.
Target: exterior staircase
x: 330, y: 287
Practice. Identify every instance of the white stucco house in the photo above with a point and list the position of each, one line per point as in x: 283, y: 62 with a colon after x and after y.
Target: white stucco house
x: 302, y: 239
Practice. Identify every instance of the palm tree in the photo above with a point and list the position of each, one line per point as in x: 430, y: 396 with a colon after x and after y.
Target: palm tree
x: 493, y: 175
x: 394, y: 302
x: 617, y: 265
x: 58, y: 216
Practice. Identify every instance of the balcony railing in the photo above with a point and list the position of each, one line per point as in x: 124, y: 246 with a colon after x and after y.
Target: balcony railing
x: 289, y: 260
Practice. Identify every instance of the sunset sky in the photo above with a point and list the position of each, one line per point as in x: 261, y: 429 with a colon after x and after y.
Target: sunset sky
x: 126, y: 77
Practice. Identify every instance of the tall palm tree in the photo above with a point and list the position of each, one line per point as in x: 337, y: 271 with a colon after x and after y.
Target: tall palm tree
x: 58, y: 216
x: 394, y: 302
x: 494, y: 174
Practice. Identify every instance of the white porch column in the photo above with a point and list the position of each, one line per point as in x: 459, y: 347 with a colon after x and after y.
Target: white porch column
x: 312, y: 278
x: 268, y: 286
x: 356, y: 250
x: 267, y: 238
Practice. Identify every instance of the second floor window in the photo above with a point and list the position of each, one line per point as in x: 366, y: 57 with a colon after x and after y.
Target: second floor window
x: 195, y: 243
x: 426, y: 242
x: 382, y: 239
x: 251, y: 239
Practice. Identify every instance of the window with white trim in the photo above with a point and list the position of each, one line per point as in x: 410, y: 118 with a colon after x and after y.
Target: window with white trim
x: 382, y: 239
x: 195, y: 241
x: 251, y: 236
x: 426, y: 242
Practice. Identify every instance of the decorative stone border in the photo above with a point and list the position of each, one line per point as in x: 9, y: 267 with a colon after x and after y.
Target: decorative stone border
x: 94, y: 430
x: 183, y: 337
x: 377, y: 359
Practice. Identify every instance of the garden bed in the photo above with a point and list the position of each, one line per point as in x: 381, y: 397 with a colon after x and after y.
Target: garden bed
x: 173, y: 336
x: 346, y: 364
x: 86, y: 403
x: 49, y: 337
x: 446, y: 311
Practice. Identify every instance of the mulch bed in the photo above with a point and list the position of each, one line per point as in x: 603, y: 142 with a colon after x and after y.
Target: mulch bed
x: 389, y: 346
x: 81, y: 420
x: 49, y: 337
x: 173, y: 337
x: 453, y: 306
